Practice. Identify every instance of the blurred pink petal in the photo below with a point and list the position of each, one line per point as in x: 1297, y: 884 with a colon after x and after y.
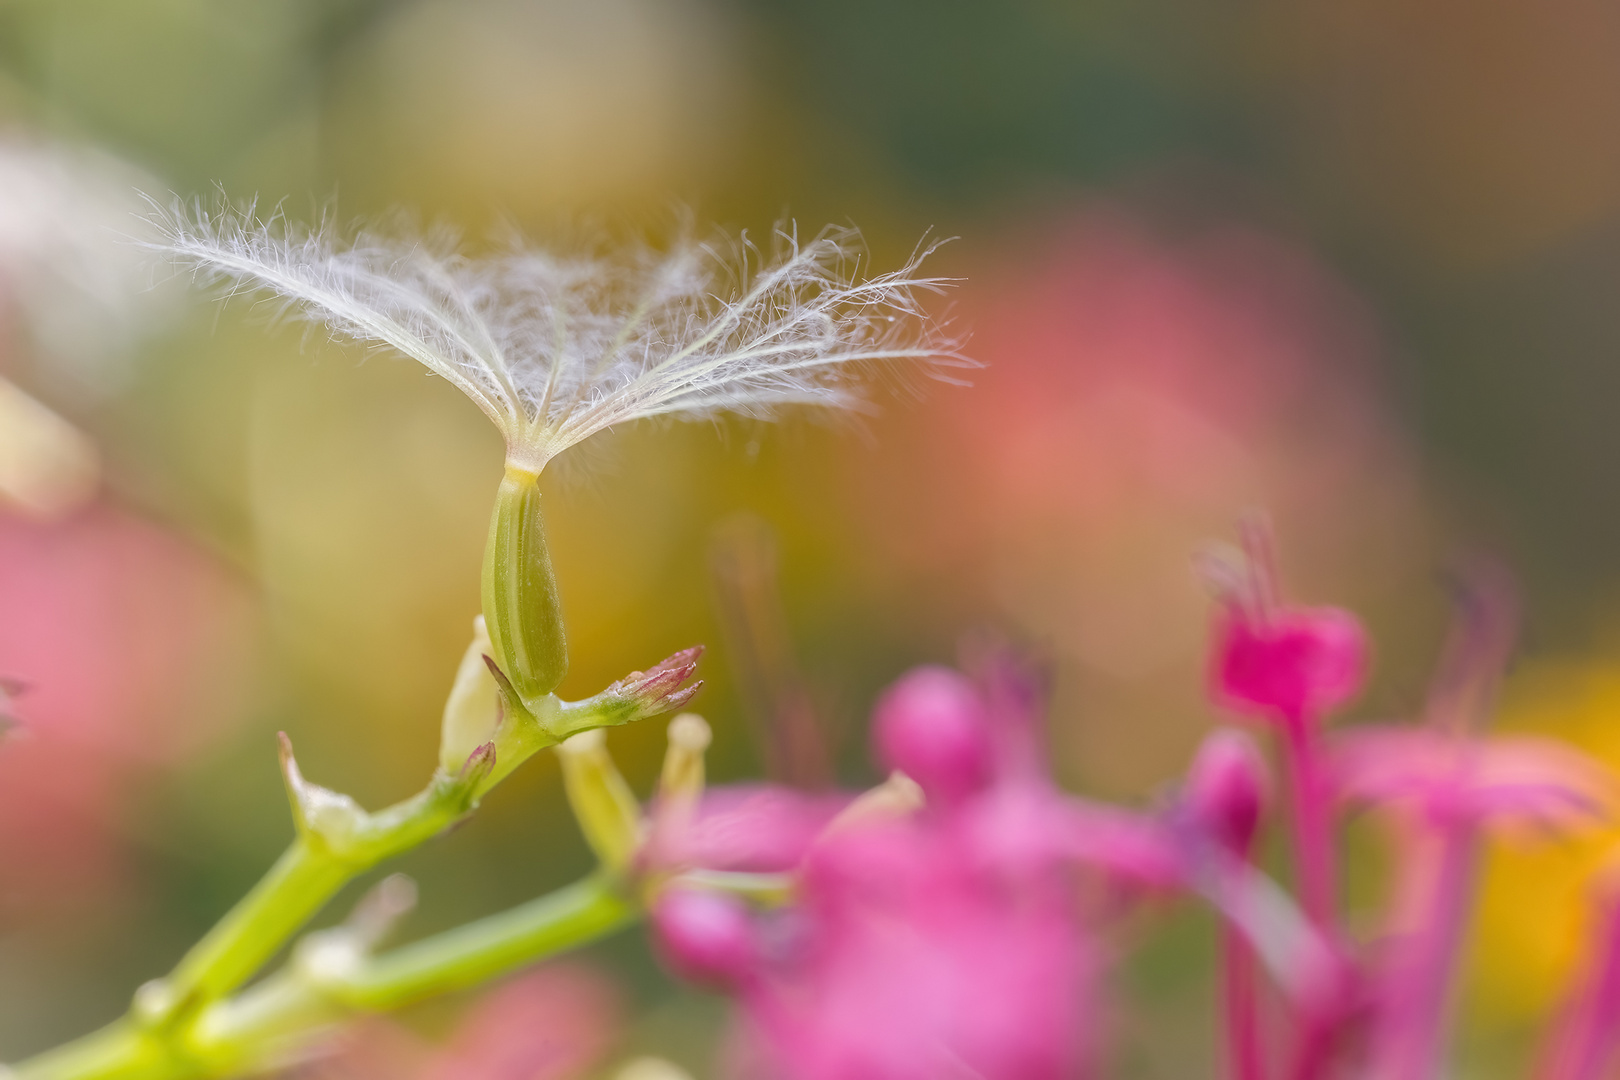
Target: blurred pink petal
x: 932, y: 726
x: 1503, y: 780
x: 1225, y: 790
x: 756, y: 827
x: 130, y: 640
x: 130, y: 646
x: 705, y: 937
x: 554, y: 1023
x: 550, y: 1024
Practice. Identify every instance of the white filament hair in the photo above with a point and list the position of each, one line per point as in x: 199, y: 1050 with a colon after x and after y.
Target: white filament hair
x: 555, y: 348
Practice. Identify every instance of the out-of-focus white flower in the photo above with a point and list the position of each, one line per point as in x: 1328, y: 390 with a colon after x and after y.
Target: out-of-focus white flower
x: 555, y: 348
x: 76, y: 292
x: 68, y: 272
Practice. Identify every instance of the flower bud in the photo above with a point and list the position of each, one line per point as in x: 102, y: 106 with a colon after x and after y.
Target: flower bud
x: 682, y: 777
x: 637, y: 696
x: 932, y: 726
x: 1226, y: 789
x: 521, y: 610
x: 1299, y: 663
x: 607, y: 811
x: 472, y: 711
x: 705, y: 937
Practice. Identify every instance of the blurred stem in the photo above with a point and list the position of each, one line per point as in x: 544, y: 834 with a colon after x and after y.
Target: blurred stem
x: 1422, y: 1018
x: 276, y: 1018
x: 1310, y: 820
x: 1240, y: 1007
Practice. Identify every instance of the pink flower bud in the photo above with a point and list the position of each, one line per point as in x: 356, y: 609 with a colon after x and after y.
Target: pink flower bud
x: 705, y: 937
x: 1298, y: 663
x: 1226, y: 788
x: 932, y: 726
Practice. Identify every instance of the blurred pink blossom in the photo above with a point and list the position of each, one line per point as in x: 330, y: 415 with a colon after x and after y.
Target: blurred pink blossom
x: 554, y: 1023
x: 130, y: 645
x: 1143, y: 388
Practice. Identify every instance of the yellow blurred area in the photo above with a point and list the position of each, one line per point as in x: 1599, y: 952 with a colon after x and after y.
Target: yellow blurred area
x: 1534, y: 915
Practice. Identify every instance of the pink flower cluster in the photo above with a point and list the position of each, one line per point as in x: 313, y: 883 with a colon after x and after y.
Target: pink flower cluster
x: 970, y: 936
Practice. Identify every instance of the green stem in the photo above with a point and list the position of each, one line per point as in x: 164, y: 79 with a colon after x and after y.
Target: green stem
x: 270, y: 1018
x: 119, y: 1051
x: 279, y: 1015
x: 297, y: 886
x: 184, y: 1026
x: 469, y: 954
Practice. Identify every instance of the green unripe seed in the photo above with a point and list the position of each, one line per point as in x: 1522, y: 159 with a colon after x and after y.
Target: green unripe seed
x: 521, y: 611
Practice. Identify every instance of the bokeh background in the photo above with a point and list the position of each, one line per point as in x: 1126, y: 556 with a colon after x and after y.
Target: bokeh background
x: 1354, y: 264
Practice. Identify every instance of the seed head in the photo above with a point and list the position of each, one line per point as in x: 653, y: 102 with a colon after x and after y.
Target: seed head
x: 557, y: 347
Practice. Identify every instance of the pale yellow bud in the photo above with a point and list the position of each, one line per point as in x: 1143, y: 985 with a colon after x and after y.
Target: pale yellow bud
x: 607, y: 811
x: 473, y: 709
x: 682, y: 775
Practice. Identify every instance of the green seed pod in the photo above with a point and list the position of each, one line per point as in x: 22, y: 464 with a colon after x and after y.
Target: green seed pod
x: 521, y: 611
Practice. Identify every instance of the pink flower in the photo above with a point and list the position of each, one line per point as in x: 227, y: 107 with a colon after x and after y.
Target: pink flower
x: 1504, y: 781
x: 129, y: 646
x: 909, y: 963
x: 754, y: 827
x: 951, y: 941
x: 554, y: 1023
x: 1291, y: 664
x: 705, y: 937
x: 932, y: 726
x: 1225, y: 790
x: 1272, y: 661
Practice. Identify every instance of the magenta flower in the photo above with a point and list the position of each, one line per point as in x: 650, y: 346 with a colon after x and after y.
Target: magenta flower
x: 1440, y: 779
x: 1444, y: 785
x: 1223, y: 799
x: 762, y: 828
x: 705, y: 937
x: 1225, y: 792
x: 910, y: 963
x: 1287, y: 666
x: 932, y: 726
x: 1443, y: 789
x: 953, y: 941
x: 554, y: 1023
x: 1293, y: 665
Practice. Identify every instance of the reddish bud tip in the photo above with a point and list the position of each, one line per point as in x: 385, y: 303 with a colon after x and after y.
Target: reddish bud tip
x: 932, y: 726
x: 479, y: 764
x: 1300, y: 663
x: 680, y: 697
x: 705, y: 937
x: 1226, y: 788
x: 686, y: 658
